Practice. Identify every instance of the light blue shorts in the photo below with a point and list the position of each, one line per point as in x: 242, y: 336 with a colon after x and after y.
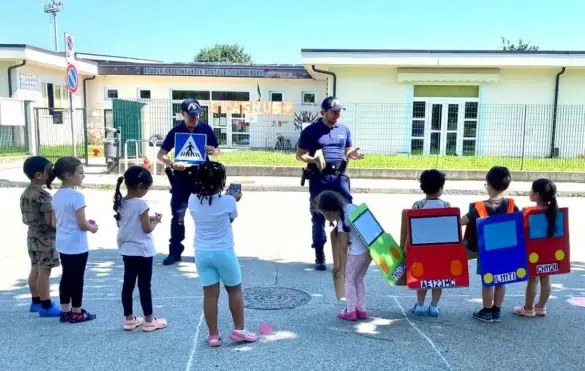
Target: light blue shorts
x: 213, y: 265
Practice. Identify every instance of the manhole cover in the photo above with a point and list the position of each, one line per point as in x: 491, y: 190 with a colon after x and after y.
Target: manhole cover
x: 274, y: 298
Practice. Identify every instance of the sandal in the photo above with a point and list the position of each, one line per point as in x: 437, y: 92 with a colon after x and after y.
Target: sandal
x: 243, y: 336
x: 132, y: 324
x: 82, y: 316
x: 214, y: 340
x: 156, y: 324
x: 541, y: 312
x: 523, y: 312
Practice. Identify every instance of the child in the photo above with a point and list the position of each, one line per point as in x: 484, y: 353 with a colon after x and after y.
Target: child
x: 335, y: 208
x: 136, y: 246
x: 544, y: 193
x: 431, y: 183
x: 498, y: 180
x: 37, y: 213
x: 71, y: 242
x: 215, y: 257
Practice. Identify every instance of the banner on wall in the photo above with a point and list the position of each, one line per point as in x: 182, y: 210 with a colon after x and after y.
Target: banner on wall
x: 253, y: 107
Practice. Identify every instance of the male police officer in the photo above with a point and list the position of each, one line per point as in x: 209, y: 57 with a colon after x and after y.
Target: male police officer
x: 334, y: 140
x: 182, y: 184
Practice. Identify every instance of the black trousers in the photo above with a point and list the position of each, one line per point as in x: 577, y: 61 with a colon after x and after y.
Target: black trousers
x: 137, y: 267
x: 71, y: 285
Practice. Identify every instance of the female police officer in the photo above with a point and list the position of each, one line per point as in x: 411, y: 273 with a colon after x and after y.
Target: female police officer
x: 182, y: 184
x: 334, y: 139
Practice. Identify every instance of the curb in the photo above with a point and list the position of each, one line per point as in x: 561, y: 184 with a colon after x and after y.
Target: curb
x: 4, y: 183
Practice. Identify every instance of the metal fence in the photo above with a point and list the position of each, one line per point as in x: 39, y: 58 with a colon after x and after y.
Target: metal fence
x: 54, y: 136
x: 460, y: 135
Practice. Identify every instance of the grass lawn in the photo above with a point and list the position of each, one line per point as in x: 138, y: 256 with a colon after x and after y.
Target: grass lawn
x: 411, y: 162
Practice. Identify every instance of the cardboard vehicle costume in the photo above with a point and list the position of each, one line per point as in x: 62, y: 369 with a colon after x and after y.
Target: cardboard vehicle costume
x: 435, y: 255
x: 501, y: 247
x: 384, y: 250
x: 547, y: 255
x: 339, y: 247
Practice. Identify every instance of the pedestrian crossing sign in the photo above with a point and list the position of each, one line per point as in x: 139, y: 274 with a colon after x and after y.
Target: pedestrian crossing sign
x: 190, y: 148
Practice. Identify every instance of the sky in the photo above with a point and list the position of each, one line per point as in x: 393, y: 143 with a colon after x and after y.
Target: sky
x: 276, y: 31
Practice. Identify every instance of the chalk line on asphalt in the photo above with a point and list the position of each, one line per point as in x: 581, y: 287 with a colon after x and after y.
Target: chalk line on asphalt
x: 423, y: 335
x: 194, y: 347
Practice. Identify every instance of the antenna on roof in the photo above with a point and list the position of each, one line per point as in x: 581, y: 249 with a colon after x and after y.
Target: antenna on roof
x: 52, y: 7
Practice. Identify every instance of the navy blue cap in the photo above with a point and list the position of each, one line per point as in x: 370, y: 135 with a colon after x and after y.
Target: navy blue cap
x: 191, y: 106
x: 332, y: 104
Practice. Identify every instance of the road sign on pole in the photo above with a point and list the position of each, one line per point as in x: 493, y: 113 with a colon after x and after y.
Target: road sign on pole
x: 72, y: 78
x: 69, y: 48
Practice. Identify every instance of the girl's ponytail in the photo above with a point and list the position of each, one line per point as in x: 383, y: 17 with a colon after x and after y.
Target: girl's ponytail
x: 51, y: 175
x: 551, y: 216
x: 118, y: 199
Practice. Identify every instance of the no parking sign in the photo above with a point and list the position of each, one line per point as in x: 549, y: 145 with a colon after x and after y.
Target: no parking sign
x: 69, y: 48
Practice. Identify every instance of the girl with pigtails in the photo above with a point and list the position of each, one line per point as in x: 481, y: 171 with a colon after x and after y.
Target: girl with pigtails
x: 136, y: 246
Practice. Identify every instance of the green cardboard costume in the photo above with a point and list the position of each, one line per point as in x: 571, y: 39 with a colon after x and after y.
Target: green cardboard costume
x: 384, y: 250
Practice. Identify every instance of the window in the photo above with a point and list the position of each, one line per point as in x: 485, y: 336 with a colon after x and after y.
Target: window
x: 144, y: 94
x: 275, y: 96
x: 308, y: 98
x: 231, y: 95
x: 470, y: 128
x: 185, y: 94
x: 418, y: 128
x: 111, y: 93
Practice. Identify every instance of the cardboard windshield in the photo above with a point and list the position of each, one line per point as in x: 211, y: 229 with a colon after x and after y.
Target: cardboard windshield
x: 502, y: 249
x: 435, y: 256
x: 384, y: 250
x: 547, y: 255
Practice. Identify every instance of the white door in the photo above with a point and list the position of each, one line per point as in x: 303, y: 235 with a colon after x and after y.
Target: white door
x: 238, y: 130
x: 444, y: 128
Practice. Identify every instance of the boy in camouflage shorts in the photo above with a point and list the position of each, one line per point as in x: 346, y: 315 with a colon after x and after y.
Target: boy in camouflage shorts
x: 37, y: 213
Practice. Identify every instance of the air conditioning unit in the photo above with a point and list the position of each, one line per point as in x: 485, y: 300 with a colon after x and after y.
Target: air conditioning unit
x: 11, y: 112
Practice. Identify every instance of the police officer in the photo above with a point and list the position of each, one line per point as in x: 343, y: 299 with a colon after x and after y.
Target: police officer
x: 182, y: 183
x: 334, y: 139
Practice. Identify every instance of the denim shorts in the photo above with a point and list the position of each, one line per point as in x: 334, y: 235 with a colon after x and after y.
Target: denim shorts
x: 213, y: 265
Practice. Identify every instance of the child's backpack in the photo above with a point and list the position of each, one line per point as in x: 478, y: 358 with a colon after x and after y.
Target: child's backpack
x: 470, y: 235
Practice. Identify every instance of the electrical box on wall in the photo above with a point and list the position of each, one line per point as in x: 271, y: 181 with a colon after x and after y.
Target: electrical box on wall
x: 11, y: 112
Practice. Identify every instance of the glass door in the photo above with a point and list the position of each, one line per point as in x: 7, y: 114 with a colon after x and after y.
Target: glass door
x: 239, y: 135
x: 444, y: 128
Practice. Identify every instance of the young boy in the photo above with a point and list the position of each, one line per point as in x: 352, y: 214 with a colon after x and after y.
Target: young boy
x: 498, y: 180
x: 37, y: 213
x: 431, y: 183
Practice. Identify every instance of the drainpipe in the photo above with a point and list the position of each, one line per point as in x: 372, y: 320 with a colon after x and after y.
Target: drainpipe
x: 328, y: 73
x: 10, y: 76
x: 85, y: 115
x: 553, y: 150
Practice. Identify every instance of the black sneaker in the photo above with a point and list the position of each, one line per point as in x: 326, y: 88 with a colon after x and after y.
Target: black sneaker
x: 320, y: 260
x: 320, y: 265
x: 496, y: 315
x: 170, y: 260
x: 484, y: 315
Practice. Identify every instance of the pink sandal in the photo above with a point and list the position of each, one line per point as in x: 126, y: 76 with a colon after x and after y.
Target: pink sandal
x: 214, y: 340
x: 243, y: 336
x: 133, y: 323
x: 523, y: 312
x: 156, y: 324
x: 362, y: 314
x: 348, y: 316
x: 541, y: 312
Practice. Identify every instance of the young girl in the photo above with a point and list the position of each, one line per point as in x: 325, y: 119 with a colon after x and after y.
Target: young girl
x: 136, y: 246
x: 71, y: 241
x: 431, y: 183
x: 544, y: 193
x: 215, y: 257
x: 335, y: 208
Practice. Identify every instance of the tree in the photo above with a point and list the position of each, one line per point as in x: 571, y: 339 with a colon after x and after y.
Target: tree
x: 227, y: 53
x: 520, y: 47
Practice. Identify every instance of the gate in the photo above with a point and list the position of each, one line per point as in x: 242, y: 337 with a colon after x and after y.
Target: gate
x: 54, y: 137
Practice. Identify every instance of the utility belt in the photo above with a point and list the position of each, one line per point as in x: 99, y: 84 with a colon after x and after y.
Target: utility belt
x: 311, y: 170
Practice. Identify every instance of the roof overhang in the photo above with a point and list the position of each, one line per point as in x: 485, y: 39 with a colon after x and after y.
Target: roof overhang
x: 44, y: 58
x: 441, y: 58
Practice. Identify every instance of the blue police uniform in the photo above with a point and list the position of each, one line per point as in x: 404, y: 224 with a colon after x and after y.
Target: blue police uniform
x: 182, y: 184
x: 333, y: 142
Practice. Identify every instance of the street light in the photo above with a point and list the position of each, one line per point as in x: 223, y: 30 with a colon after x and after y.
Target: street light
x: 52, y: 7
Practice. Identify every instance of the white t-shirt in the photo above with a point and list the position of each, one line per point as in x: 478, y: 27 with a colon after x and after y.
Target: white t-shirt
x: 213, y: 227
x: 356, y: 245
x: 70, y: 238
x: 132, y: 241
x: 431, y: 204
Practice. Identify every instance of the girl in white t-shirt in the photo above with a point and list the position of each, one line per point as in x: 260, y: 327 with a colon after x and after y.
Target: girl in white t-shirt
x: 335, y: 207
x: 136, y: 246
x: 431, y: 183
x: 215, y: 257
x: 71, y: 240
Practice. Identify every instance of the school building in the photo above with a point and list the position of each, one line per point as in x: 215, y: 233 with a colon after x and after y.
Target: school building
x: 461, y: 103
